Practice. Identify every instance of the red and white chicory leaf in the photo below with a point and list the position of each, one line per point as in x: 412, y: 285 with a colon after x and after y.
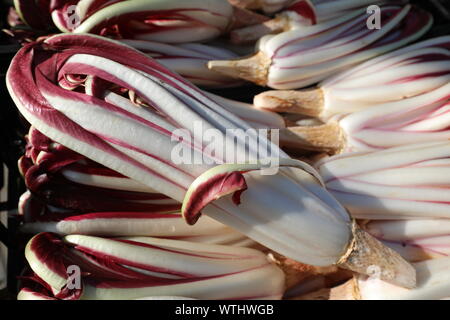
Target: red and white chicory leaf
x: 166, y: 21
x: 133, y: 268
x: 302, y: 57
x: 302, y: 13
x: 405, y: 73
x: 39, y: 216
x: 136, y: 138
x: 397, y: 183
x: 432, y: 284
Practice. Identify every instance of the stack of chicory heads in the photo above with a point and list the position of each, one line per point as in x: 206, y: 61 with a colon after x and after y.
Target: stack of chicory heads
x: 302, y: 57
x: 396, y: 99
x: 35, y: 13
x: 158, y: 20
x: 75, y: 90
x: 84, y: 267
x: 190, y: 60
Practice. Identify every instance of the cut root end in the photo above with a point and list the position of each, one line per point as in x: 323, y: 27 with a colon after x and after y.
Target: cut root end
x: 368, y: 256
x: 328, y: 138
x: 248, y: 4
x: 243, y: 18
x: 254, y: 68
x: 307, y: 103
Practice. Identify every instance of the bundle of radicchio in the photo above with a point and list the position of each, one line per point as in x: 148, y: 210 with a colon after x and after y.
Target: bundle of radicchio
x: 92, y: 268
x: 288, y: 211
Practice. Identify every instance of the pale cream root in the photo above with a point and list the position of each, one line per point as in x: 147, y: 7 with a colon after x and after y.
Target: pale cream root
x: 254, y: 68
